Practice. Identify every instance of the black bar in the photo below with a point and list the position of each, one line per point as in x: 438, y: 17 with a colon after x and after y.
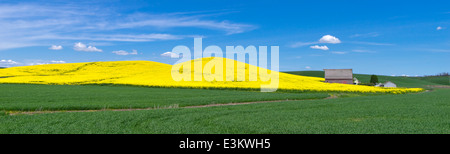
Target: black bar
x: 172, y: 142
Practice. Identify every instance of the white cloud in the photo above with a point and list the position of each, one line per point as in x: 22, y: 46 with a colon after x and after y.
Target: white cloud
x: 338, y: 52
x: 57, y: 61
x: 324, y: 39
x: 439, y: 28
x: 55, y: 47
x: 170, y: 54
x: 83, y: 47
x: 329, y: 39
x: 334, y: 40
x: 319, y: 47
x: 124, y: 53
x: 8, y: 63
x: 308, y: 67
x: 43, y: 62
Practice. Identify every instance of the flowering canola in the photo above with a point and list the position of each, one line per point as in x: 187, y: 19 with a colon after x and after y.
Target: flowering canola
x: 154, y: 74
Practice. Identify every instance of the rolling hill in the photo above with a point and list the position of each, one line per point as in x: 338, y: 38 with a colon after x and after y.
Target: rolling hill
x: 154, y: 74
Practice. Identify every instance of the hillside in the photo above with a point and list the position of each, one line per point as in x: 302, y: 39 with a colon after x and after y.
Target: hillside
x: 444, y: 80
x: 154, y: 74
x: 410, y: 82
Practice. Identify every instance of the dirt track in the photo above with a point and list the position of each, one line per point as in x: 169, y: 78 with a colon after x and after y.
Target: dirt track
x: 438, y: 86
x: 168, y: 107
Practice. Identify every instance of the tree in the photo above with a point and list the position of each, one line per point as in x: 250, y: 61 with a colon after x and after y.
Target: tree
x: 374, y: 79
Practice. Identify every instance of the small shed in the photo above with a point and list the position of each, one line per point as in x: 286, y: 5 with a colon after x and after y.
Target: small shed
x: 390, y: 84
x: 387, y: 84
x: 344, y: 76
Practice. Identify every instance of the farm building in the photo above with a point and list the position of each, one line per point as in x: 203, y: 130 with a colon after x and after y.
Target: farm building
x: 356, y: 81
x: 388, y: 84
x: 344, y: 76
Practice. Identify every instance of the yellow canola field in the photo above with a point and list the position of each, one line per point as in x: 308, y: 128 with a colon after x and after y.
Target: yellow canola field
x: 154, y: 74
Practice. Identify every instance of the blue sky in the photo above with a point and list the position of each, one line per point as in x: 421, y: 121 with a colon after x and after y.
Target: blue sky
x: 382, y: 37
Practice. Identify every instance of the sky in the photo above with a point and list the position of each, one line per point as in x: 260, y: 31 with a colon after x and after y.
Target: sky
x: 370, y: 37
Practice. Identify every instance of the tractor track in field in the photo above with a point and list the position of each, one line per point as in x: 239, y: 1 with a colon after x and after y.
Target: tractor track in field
x: 165, y: 107
x: 174, y: 106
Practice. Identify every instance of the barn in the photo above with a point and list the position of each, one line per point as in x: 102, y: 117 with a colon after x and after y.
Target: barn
x: 344, y: 76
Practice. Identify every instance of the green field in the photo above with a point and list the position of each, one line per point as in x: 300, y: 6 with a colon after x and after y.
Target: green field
x: 443, y: 80
x: 28, y: 97
x: 409, y: 82
x: 426, y: 112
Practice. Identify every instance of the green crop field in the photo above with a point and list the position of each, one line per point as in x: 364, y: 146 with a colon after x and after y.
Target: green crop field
x: 426, y: 112
x: 444, y: 80
x: 28, y: 97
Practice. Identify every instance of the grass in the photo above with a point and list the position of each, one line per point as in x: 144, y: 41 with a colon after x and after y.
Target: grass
x: 28, y: 97
x: 443, y: 80
x: 409, y: 82
x: 426, y: 112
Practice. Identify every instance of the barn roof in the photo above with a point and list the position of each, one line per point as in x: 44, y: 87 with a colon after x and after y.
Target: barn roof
x: 338, y: 74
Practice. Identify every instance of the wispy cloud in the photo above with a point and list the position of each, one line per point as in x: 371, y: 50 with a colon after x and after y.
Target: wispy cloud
x: 125, y: 53
x: 363, y: 51
x: 369, y: 43
x: 436, y: 50
x: 57, y: 61
x: 119, y: 37
x: 301, y: 44
x: 172, y: 21
x: 12, y: 63
x: 338, y: 52
x: 365, y: 35
x: 24, y: 25
x: 8, y: 63
x: 42, y: 62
